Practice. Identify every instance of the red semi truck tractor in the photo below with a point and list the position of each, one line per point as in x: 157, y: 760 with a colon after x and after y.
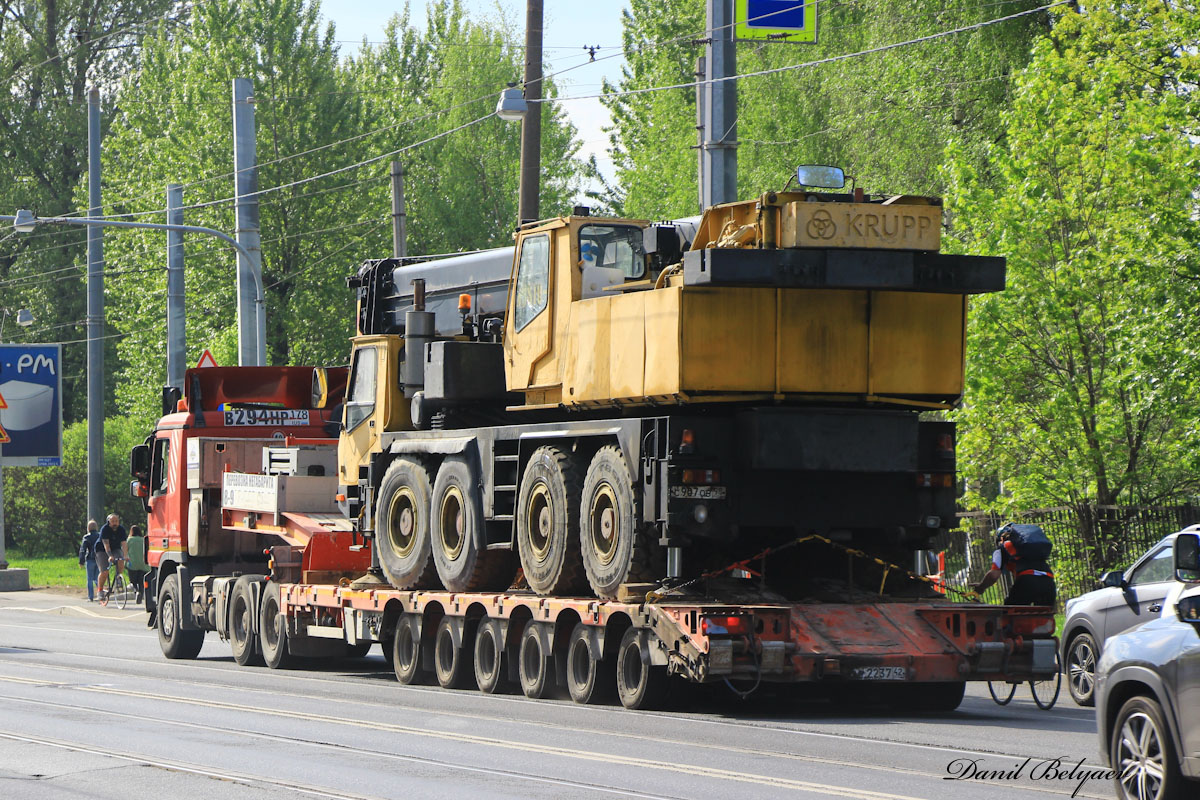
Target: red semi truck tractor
x: 615, y: 453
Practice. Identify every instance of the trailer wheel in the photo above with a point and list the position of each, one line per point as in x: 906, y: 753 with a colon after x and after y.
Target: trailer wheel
x: 614, y: 551
x: 242, y: 639
x: 402, y: 526
x: 589, y: 680
x: 548, y: 523
x: 273, y: 630
x: 463, y: 561
x: 174, y: 640
x: 489, y: 657
x: 537, y: 678
x: 453, y: 665
x: 640, y: 684
x: 358, y: 649
x: 406, y: 651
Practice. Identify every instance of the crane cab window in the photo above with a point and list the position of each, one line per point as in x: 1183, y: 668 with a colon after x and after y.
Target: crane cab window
x: 360, y: 402
x: 533, y: 280
x: 614, y: 247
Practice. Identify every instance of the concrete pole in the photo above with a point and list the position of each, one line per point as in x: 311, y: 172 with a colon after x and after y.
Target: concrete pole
x: 399, y: 217
x: 531, y: 127
x: 720, y: 147
x: 176, y: 319
x: 251, y: 327
x: 701, y: 89
x: 95, y: 319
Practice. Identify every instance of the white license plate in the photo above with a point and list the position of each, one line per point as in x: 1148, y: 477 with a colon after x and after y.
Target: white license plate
x: 266, y: 416
x: 878, y: 673
x: 698, y: 492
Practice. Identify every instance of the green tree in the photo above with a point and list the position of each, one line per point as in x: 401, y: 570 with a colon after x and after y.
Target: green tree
x: 885, y: 117
x: 1082, y: 375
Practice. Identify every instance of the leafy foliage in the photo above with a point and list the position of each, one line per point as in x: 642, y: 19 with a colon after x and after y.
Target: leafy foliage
x: 1082, y: 375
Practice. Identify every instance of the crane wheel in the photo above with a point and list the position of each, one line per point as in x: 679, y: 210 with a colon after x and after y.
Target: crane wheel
x: 459, y: 540
x: 406, y: 651
x: 242, y: 638
x: 174, y: 640
x: 590, y: 677
x: 536, y: 666
x: 272, y: 630
x: 453, y: 664
x: 640, y: 684
x: 547, y: 523
x: 402, y: 526
x: 614, y: 550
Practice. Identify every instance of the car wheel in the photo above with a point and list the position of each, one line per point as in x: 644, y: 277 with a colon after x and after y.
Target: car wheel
x: 1142, y: 755
x: 1081, y: 669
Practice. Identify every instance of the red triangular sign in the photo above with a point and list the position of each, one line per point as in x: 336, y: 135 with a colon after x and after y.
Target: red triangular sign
x: 206, y: 359
x: 4, y: 437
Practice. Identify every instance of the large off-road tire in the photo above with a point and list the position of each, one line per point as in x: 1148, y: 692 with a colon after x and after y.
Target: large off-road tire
x: 489, y: 657
x: 590, y: 679
x: 464, y: 563
x: 406, y: 651
x: 175, y: 641
x: 614, y: 550
x: 640, y: 684
x: 1142, y: 754
x: 272, y: 630
x: 402, y: 530
x: 548, y: 523
x: 242, y: 638
x: 1082, y: 655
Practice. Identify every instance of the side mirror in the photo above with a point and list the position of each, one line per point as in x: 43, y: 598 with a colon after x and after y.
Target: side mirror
x: 1112, y: 579
x: 1188, y: 609
x: 1187, y: 557
x: 139, y: 461
x: 320, y: 387
x: 820, y: 177
x: 138, y: 490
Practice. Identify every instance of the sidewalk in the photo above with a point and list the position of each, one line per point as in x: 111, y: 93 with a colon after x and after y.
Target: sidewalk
x: 66, y: 602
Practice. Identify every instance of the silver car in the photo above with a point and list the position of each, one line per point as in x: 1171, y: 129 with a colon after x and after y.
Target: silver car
x: 1148, y: 695
x: 1124, y: 600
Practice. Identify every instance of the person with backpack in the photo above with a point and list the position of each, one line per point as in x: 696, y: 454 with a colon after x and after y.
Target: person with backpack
x: 1023, y: 550
x: 87, y: 557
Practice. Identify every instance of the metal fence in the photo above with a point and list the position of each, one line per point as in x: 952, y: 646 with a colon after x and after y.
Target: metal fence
x: 1088, y: 540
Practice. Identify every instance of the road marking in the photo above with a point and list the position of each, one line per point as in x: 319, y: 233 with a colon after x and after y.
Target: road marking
x: 611, y: 759
x: 87, y: 612
x: 588, y: 709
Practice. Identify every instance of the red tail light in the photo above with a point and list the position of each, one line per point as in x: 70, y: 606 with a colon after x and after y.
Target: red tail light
x: 732, y: 625
x: 687, y: 441
x: 701, y: 477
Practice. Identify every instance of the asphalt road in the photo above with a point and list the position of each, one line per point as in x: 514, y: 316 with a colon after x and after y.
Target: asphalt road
x: 89, y: 708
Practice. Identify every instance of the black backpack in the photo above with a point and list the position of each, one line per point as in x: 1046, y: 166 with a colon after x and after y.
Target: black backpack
x: 1025, y: 543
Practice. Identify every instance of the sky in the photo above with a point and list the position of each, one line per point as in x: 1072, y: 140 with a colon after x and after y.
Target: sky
x: 569, y: 26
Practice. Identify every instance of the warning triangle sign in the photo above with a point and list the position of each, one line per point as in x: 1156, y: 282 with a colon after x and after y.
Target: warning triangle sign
x: 206, y: 359
x: 4, y: 437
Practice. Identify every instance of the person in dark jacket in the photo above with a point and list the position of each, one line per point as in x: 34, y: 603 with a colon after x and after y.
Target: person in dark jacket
x: 87, y: 557
x: 1022, y: 550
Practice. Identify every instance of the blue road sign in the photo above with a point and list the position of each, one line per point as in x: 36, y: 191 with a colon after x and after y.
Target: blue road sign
x: 30, y: 405
x: 775, y: 20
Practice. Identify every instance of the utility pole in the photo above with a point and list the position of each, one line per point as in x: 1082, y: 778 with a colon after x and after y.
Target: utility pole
x: 176, y: 319
x: 720, y: 123
x: 95, y: 319
x: 701, y: 90
x: 531, y: 127
x: 252, y: 327
x: 399, y: 217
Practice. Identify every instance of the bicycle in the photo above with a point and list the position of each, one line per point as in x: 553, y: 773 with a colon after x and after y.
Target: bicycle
x: 1045, y: 692
x: 119, y: 592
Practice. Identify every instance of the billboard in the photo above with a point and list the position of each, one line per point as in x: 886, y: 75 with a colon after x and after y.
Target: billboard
x: 30, y: 405
x: 775, y: 21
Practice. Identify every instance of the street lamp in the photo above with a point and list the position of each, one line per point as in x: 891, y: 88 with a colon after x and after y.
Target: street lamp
x: 23, y: 316
x: 25, y: 221
x: 511, y: 107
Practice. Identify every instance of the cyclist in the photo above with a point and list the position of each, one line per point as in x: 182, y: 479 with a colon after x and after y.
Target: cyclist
x: 113, y: 544
x: 1023, y: 550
